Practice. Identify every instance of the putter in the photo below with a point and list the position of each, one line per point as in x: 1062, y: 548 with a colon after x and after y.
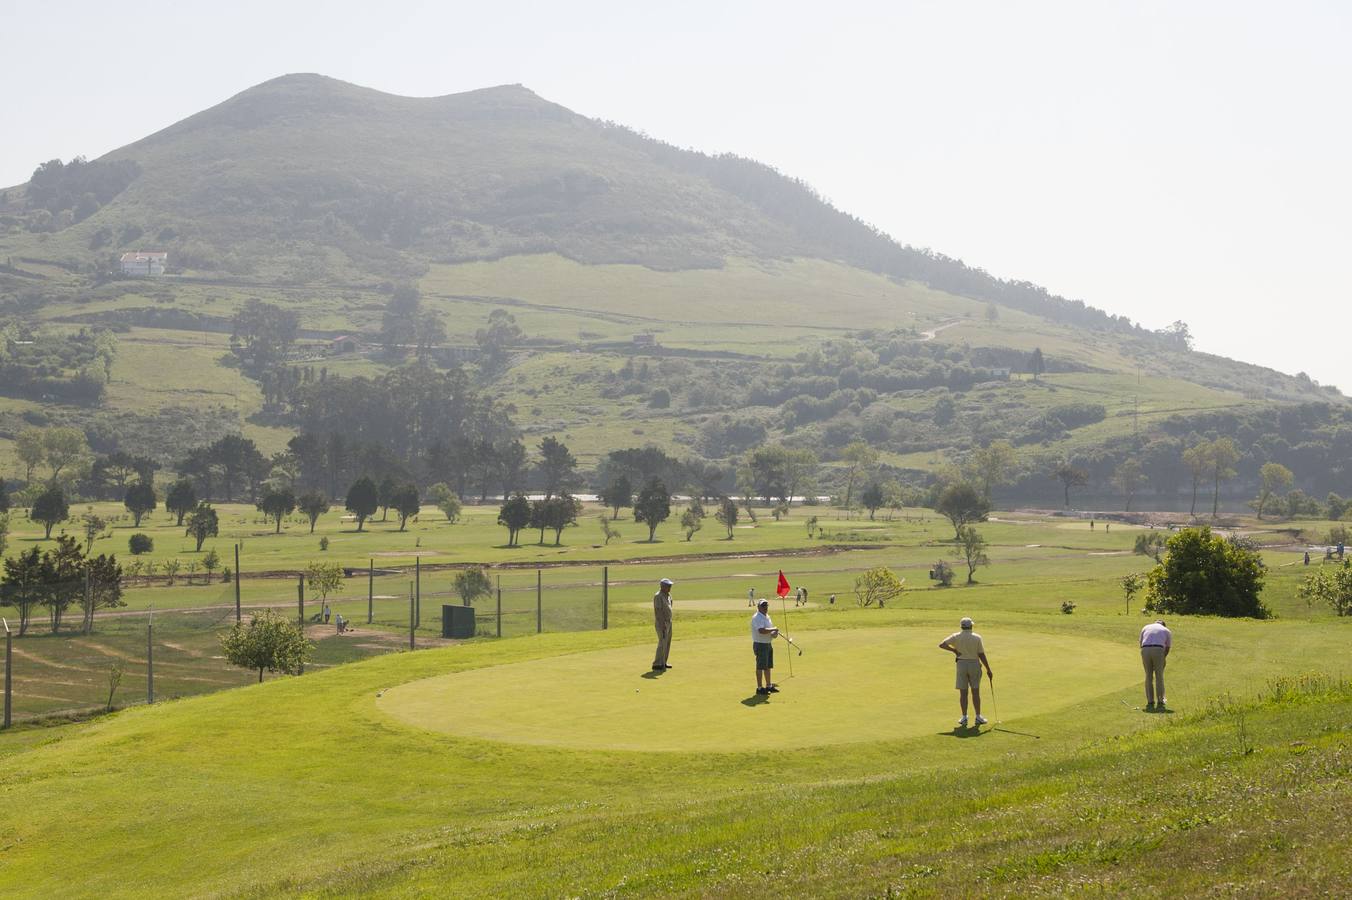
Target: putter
x: 1130, y: 707
x: 995, y: 704
x: 791, y: 643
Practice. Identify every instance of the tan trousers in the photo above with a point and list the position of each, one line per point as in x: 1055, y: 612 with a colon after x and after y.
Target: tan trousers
x: 1152, y: 658
x: 663, y: 644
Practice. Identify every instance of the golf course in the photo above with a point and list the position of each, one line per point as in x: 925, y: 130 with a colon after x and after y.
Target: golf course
x: 559, y: 764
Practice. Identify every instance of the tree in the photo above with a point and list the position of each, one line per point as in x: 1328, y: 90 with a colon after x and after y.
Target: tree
x: 263, y: 335
x: 860, y: 459
x: 872, y: 498
x: 1222, y: 454
x: 181, y: 499
x: 63, y: 578
x: 362, y: 500
x: 942, y: 573
x: 445, y: 500
x: 515, y: 515
x: 313, y: 504
x: 4, y: 498
x: 1150, y: 543
x: 691, y: 521
x: 385, y: 496
x: 4, y: 532
x: 24, y: 585
x: 268, y: 642
x: 202, y: 524
x: 1195, y: 458
x: 28, y: 448
x: 1069, y: 476
x: 1207, y: 575
x: 471, y: 584
x: 324, y: 579
x: 961, y: 504
x: 105, y: 586
x: 1127, y: 478
x: 1276, y: 479
x: 652, y: 506
x: 406, y: 502
x: 1036, y: 365
x: 139, y: 500
x: 140, y: 543
x: 495, y: 340
x: 617, y: 494
x: 1332, y: 586
x: 726, y: 514
x: 65, y: 450
x: 608, y: 531
x: 555, y: 514
x: 973, y: 550
x: 92, y: 524
x: 211, y: 562
x: 1131, y: 585
x: 992, y: 465
x: 277, y: 504
x: 877, y: 585
x: 557, y: 466
x: 50, y: 509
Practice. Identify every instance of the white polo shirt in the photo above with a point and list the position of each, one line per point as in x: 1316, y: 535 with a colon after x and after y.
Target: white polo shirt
x: 758, y: 621
x: 1156, y: 635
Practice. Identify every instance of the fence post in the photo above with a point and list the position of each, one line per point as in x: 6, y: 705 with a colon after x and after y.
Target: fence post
x: 237, y: 616
x: 605, y: 597
x: 417, y: 592
x: 300, y: 601
x: 371, y: 592
x: 539, y: 604
x: 88, y: 605
x: 499, y: 606
x: 411, y: 626
x: 150, y: 657
x: 9, y: 673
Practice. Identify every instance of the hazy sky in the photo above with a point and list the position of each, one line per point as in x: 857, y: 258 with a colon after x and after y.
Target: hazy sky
x: 1163, y: 160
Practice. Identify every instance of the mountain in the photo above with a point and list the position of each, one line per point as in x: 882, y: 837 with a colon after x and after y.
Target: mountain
x: 769, y: 314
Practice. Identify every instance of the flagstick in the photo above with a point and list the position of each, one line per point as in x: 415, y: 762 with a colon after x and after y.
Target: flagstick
x: 784, y: 611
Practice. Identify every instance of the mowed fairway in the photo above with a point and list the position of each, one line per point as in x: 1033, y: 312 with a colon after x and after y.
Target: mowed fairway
x: 861, y: 684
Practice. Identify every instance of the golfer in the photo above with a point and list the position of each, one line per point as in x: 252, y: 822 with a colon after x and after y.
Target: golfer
x: 763, y: 633
x: 750, y: 596
x: 662, y: 622
x: 1156, y: 640
x: 971, y: 655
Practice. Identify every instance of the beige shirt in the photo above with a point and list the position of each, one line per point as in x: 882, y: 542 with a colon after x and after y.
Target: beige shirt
x: 662, y: 608
x: 968, y: 644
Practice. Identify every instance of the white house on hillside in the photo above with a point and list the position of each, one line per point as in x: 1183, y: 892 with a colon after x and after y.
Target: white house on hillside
x: 144, y: 262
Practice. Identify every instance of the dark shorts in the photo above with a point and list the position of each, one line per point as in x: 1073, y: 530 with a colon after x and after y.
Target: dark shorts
x: 765, y: 654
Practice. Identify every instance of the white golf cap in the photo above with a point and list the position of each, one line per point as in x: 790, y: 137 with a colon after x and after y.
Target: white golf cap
x: 965, y: 624
x: 667, y: 581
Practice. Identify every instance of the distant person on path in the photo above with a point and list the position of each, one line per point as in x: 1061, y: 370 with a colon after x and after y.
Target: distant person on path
x: 662, y: 622
x: 833, y: 599
x: 1156, y: 640
x: 341, y: 623
x: 966, y: 645
x: 750, y: 598
x: 763, y: 633
x: 1307, y: 557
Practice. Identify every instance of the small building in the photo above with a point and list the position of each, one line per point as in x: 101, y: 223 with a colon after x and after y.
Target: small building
x: 144, y: 262
x: 346, y: 343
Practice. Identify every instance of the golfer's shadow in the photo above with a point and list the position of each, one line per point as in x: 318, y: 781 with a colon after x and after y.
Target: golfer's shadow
x: 756, y: 700
x: 960, y: 732
x: 653, y: 673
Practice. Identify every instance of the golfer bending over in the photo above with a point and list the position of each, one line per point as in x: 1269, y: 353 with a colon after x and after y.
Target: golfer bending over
x: 763, y: 633
x: 662, y: 622
x: 966, y: 646
x: 1156, y: 640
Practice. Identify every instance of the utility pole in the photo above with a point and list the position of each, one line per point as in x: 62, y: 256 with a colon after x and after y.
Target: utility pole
x: 371, y: 592
x: 411, y: 625
x: 499, y: 606
x: 539, y: 604
x: 9, y: 673
x: 150, y: 656
x: 300, y: 601
x: 237, y: 611
x: 605, y: 597
x: 88, y: 605
x: 417, y: 591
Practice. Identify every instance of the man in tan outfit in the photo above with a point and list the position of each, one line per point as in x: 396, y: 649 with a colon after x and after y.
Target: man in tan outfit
x: 662, y: 622
x: 1156, y: 642
x: 966, y: 646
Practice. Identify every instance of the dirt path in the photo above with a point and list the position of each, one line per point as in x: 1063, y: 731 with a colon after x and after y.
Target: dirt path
x: 934, y: 332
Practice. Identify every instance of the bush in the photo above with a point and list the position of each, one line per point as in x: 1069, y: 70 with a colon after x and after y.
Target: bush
x: 1207, y: 575
x: 140, y: 543
x: 323, y: 543
x: 1067, y: 606
x: 942, y: 573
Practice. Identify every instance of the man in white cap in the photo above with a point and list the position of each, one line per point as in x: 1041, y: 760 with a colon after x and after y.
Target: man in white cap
x: 662, y: 622
x: 971, y: 656
x: 763, y: 634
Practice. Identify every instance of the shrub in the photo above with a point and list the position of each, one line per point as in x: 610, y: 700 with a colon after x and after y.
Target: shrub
x: 140, y: 543
x: 1067, y: 606
x: 323, y: 543
x: 942, y: 573
x: 1207, y: 575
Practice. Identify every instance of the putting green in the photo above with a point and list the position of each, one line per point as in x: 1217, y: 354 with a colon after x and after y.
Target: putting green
x: 718, y: 604
x: 862, y: 684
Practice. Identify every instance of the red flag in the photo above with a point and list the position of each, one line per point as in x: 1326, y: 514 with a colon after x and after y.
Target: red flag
x: 783, y: 589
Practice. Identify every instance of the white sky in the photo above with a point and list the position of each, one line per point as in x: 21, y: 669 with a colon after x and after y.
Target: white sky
x: 1161, y: 160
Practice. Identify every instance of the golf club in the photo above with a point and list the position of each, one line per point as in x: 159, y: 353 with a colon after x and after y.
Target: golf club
x: 995, y: 704
x: 1130, y: 707
x: 791, y: 644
